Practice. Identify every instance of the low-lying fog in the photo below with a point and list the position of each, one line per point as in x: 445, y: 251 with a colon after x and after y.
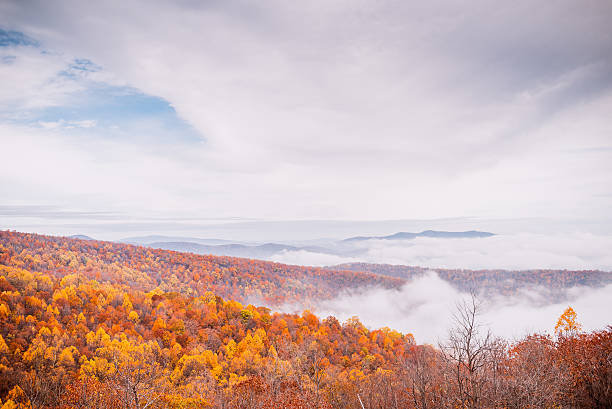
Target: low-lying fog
x: 424, y: 307
x: 583, y: 251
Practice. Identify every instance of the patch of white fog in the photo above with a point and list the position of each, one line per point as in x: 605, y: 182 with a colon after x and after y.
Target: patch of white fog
x: 577, y: 251
x: 309, y: 258
x: 424, y: 307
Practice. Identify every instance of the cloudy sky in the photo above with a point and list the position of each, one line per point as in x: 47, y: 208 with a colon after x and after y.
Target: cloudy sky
x: 202, y: 113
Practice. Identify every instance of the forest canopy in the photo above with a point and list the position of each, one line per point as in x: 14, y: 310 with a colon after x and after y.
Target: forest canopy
x: 100, y: 325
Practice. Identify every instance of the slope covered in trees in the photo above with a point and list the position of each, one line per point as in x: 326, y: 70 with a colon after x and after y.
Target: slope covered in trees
x: 112, y: 346
x: 505, y: 282
x: 250, y: 280
x: 191, y: 274
x: 89, y: 325
x: 78, y: 343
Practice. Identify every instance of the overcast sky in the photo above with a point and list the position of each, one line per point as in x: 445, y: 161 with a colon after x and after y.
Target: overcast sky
x: 225, y: 111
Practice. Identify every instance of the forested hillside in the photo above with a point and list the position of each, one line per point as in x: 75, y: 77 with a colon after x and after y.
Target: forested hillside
x: 505, y: 282
x: 191, y: 274
x: 248, y: 280
x: 99, y: 325
x: 75, y: 341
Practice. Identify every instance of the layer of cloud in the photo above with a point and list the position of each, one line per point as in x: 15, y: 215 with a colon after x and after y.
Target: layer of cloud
x: 334, y: 110
x: 32, y: 81
x: 84, y: 123
x: 424, y: 307
x: 571, y: 250
x: 309, y: 258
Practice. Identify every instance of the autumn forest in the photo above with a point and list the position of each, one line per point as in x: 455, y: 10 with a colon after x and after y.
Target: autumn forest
x: 90, y: 324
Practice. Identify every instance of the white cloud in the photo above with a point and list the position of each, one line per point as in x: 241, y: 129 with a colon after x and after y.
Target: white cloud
x: 309, y: 258
x: 85, y: 123
x: 361, y: 111
x: 424, y: 307
x: 519, y: 251
x: 568, y: 250
x: 32, y: 80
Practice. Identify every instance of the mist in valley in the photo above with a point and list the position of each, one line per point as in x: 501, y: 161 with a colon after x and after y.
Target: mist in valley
x: 424, y: 308
x: 519, y: 251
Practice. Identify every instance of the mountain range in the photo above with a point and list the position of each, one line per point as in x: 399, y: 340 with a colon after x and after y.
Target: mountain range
x: 346, y: 247
x: 234, y: 250
x: 471, y: 234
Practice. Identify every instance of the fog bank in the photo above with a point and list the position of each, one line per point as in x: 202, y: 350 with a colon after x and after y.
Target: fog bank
x: 577, y: 251
x: 424, y: 308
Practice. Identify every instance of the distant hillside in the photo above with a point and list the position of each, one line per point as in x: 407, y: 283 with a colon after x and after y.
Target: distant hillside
x: 146, y: 269
x: 505, y: 282
x: 233, y: 250
x: 148, y: 240
x: 80, y: 237
x: 427, y: 233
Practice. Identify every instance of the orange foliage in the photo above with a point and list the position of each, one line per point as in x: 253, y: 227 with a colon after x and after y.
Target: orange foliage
x: 190, y: 274
x: 91, y: 324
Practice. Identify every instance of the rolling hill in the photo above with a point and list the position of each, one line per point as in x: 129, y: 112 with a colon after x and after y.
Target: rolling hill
x: 146, y: 268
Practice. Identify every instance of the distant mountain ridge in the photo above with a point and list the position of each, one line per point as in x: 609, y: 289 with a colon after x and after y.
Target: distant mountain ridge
x: 80, y: 237
x: 148, y: 240
x: 233, y: 250
x: 426, y: 233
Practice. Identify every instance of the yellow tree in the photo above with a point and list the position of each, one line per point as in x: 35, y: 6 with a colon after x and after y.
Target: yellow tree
x: 135, y: 372
x: 567, y: 323
x: 17, y: 399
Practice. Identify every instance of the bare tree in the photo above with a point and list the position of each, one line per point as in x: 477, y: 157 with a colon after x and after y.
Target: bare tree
x: 472, y: 356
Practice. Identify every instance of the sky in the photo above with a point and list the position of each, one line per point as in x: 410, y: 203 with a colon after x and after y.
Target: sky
x: 227, y: 118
